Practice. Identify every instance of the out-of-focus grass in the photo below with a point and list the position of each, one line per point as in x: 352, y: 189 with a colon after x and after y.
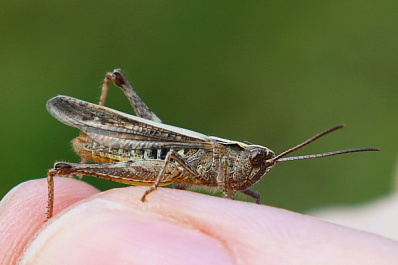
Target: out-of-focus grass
x: 269, y: 73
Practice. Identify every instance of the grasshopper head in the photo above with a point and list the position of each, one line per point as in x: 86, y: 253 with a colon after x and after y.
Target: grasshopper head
x: 260, y: 155
x: 259, y: 160
x: 251, y: 165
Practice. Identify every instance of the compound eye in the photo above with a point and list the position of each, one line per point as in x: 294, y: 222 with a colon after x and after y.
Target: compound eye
x: 258, y: 157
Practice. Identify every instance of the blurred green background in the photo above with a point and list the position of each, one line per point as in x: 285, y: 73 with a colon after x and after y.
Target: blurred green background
x: 272, y: 73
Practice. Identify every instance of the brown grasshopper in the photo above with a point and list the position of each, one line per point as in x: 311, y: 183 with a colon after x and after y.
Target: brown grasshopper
x: 141, y: 150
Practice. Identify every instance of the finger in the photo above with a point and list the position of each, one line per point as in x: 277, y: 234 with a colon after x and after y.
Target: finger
x: 176, y: 225
x: 105, y: 232
x: 23, y: 212
x: 258, y: 233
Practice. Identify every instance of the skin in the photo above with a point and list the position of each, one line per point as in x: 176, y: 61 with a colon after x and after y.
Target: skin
x: 172, y: 227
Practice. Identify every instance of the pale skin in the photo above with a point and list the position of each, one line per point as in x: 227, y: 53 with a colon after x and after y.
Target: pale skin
x: 171, y: 227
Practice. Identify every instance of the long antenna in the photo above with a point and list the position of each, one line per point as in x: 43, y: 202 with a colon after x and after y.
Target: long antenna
x: 281, y: 158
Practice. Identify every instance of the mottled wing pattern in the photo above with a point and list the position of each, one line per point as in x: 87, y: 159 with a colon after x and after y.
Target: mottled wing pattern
x: 113, y: 128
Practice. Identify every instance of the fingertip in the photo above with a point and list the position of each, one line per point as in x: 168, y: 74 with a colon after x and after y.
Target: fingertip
x: 23, y: 211
x: 122, y: 235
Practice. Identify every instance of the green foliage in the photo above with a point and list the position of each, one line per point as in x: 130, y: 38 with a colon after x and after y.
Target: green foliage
x: 271, y: 73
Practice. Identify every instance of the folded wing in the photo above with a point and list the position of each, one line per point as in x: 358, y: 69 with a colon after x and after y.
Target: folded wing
x: 117, y: 129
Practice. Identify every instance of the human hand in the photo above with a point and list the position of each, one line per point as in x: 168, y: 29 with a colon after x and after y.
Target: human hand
x: 171, y: 227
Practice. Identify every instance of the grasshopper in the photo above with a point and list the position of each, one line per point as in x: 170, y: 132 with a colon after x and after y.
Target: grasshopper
x: 141, y: 150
